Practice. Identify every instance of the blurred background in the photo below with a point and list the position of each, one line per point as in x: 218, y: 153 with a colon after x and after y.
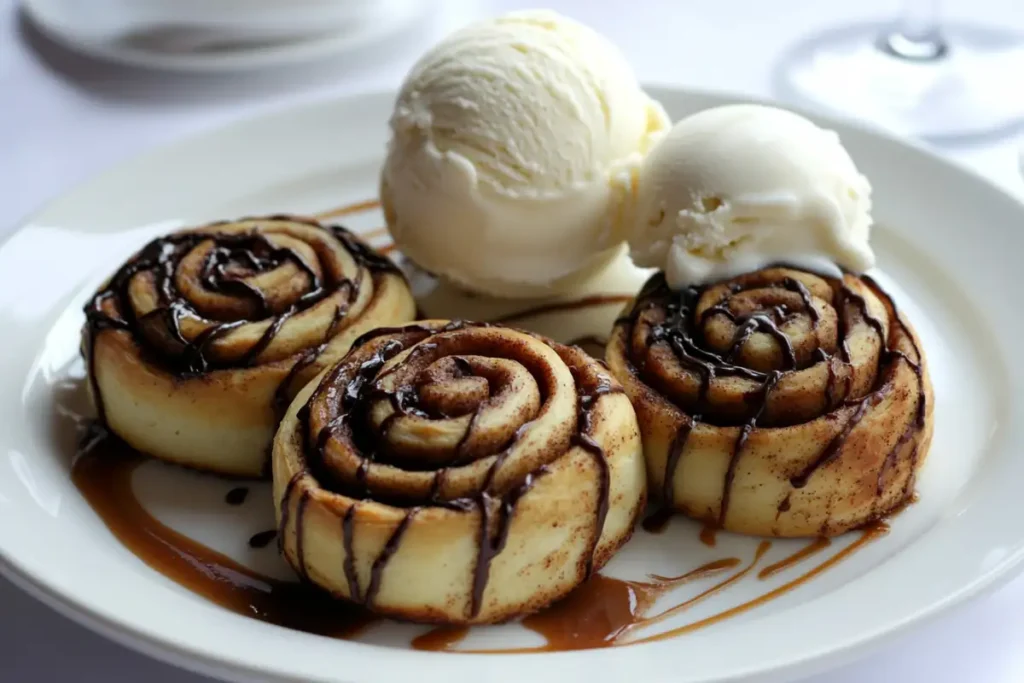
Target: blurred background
x: 86, y: 83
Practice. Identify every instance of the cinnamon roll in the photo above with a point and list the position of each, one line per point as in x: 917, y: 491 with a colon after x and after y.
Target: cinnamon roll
x: 199, y: 341
x: 778, y: 403
x: 457, y: 473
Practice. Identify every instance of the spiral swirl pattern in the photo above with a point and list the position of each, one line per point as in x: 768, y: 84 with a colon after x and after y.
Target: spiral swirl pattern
x: 503, y: 466
x: 777, y: 403
x: 231, y: 318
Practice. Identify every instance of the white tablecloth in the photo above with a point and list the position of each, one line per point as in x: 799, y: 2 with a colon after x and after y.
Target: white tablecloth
x: 64, y: 117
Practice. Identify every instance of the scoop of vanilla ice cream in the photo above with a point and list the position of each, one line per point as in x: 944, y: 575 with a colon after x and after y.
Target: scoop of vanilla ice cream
x: 737, y: 188
x: 510, y: 153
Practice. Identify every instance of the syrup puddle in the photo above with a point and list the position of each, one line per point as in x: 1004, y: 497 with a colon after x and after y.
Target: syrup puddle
x: 603, y: 612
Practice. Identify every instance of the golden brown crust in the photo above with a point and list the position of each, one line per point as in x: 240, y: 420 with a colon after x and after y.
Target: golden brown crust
x: 201, y: 339
x: 779, y: 403
x: 473, y: 510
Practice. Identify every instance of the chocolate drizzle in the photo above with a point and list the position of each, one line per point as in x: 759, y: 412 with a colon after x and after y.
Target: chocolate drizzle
x: 584, y: 440
x: 348, y: 543
x: 262, y: 539
x: 253, y: 252
x: 306, y: 359
x: 285, y: 509
x: 741, y: 441
x: 458, y: 457
x: 762, y: 323
x: 350, y: 389
x: 300, y: 534
x: 676, y: 326
x: 489, y: 546
x: 390, y: 548
x: 678, y: 332
x: 862, y: 305
x: 916, y: 366
x: 657, y: 521
x: 794, y: 285
x: 820, y: 356
x: 835, y: 446
x: 675, y: 452
x: 888, y: 356
x: 236, y: 496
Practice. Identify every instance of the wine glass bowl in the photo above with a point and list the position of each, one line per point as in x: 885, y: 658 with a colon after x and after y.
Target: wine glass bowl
x: 942, y: 82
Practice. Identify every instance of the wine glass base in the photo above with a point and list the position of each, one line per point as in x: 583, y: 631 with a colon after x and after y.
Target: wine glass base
x: 971, y: 90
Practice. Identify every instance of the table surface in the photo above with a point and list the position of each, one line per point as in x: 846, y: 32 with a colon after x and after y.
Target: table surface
x: 65, y: 117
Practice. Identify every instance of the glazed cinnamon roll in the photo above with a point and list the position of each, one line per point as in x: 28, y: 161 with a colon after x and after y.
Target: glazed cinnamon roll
x: 198, y: 342
x: 457, y: 473
x: 778, y: 403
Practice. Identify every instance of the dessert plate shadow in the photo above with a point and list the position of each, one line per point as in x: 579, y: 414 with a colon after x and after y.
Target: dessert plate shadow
x: 941, y: 234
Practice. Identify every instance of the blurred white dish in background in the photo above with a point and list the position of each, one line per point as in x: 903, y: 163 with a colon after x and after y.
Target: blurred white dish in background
x: 111, y: 19
x: 939, y: 80
x: 219, y: 35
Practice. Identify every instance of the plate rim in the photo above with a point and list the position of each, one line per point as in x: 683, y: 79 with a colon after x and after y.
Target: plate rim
x: 181, y: 655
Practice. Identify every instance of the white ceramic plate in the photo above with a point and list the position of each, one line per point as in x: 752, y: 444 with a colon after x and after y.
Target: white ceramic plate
x: 941, y: 236
x: 220, y: 36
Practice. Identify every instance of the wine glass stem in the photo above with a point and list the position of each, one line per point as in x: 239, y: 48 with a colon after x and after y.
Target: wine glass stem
x: 917, y: 35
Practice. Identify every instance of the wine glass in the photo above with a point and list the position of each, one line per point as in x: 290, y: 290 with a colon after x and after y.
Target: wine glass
x: 918, y: 75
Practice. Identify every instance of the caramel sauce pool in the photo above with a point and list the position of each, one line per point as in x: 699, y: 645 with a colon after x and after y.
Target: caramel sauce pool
x: 600, y: 613
x: 868, y: 534
x: 603, y: 612
x: 104, y: 475
x: 709, y: 535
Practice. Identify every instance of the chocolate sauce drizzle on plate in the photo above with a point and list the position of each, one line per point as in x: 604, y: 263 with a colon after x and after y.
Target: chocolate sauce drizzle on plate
x: 262, y: 539
x: 236, y: 496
